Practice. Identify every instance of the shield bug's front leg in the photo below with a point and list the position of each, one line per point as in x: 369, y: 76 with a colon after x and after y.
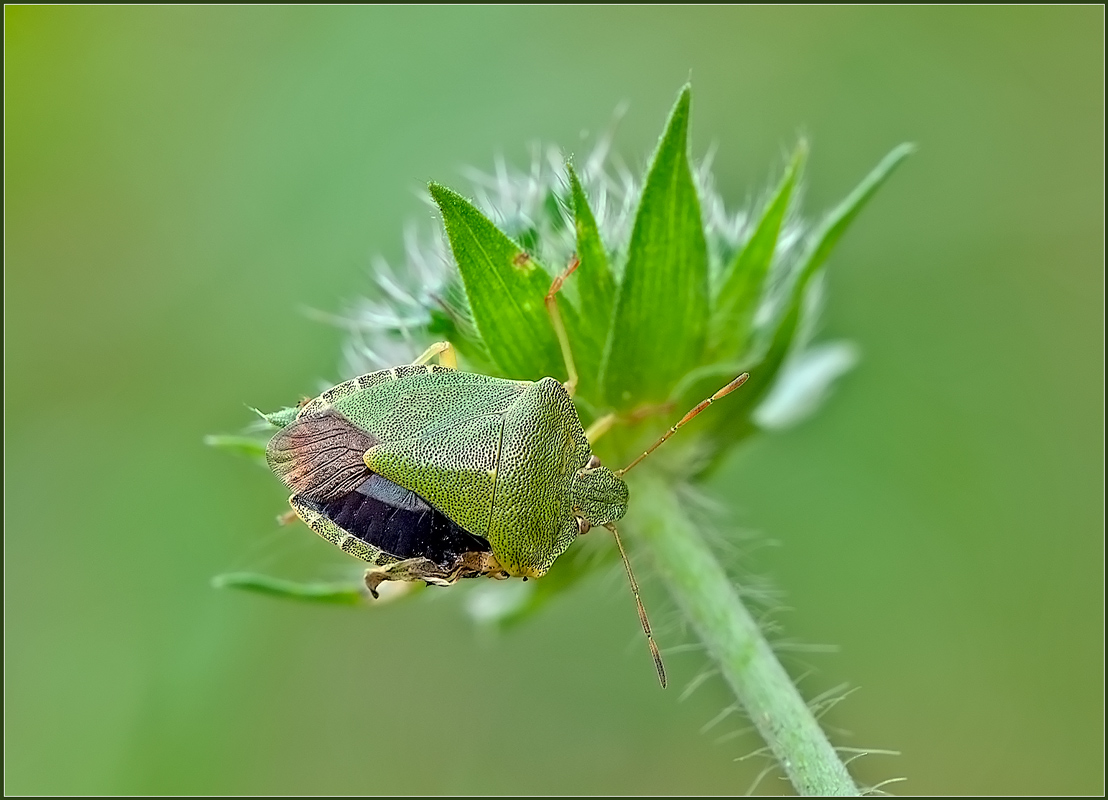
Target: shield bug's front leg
x: 467, y: 565
x: 445, y: 352
x: 559, y: 328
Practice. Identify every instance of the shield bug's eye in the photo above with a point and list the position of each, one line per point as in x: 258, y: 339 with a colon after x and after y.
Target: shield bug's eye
x: 583, y: 525
x: 594, y: 462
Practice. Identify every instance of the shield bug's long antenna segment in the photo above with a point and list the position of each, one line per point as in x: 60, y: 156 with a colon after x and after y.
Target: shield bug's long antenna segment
x: 642, y: 611
x: 703, y: 404
x: 560, y: 329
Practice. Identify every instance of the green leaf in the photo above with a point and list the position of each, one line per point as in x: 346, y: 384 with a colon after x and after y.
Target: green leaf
x: 505, y: 287
x: 779, y: 337
x: 336, y: 593
x: 823, y: 239
x: 744, y: 279
x: 817, y: 248
x: 661, y: 311
x: 596, y: 291
x: 452, y: 321
x: 738, y: 422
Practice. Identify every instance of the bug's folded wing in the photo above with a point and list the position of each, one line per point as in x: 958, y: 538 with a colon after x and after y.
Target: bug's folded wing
x: 320, y: 457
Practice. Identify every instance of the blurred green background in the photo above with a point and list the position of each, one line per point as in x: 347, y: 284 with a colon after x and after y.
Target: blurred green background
x: 182, y: 182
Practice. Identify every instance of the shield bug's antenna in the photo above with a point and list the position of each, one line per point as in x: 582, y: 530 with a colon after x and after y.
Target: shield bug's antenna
x: 703, y: 404
x: 642, y: 611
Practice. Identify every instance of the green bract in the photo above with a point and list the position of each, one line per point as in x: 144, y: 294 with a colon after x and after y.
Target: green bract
x: 673, y: 296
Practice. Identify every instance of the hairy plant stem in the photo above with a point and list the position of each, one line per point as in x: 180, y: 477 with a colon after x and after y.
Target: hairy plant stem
x: 708, y: 598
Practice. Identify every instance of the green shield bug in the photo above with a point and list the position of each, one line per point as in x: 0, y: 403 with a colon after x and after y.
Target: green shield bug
x: 433, y: 474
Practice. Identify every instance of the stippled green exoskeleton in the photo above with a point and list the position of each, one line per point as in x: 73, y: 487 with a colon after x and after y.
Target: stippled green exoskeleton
x: 432, y: 474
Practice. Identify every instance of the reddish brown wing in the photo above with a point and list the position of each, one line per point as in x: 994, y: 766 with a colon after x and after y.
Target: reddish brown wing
x: 320, y: 457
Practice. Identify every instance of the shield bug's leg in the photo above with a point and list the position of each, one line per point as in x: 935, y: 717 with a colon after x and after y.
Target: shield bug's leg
x: 642, y: 611
x: 410, y: 569
x: 467, y: 565
x: 703, y: 404
x: 560, y: 329
x: 472, y: 564
x: 445, y: 353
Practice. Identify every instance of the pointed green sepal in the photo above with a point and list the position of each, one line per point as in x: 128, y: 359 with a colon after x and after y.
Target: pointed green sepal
x: 823, y: 239
x: 661, y: 310
x: 505, y: 287
x: 778, y: 338
x: 595, y: 290
x: 335, y: 593
x: 744, y: 279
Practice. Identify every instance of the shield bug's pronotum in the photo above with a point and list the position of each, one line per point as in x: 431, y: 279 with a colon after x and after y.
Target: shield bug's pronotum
x: 432, y: 474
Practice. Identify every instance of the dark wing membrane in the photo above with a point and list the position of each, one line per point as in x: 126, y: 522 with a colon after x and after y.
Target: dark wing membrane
x: 399, y: 522
x: 320, y: 457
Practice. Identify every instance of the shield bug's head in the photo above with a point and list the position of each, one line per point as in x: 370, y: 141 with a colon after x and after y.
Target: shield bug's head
x: 599, y: 495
